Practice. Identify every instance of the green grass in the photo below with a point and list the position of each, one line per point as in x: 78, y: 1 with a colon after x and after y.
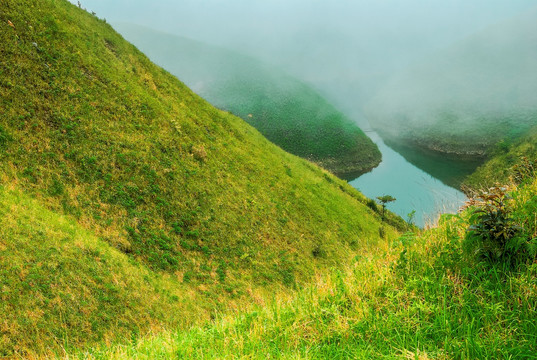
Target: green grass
x: 422, y: 296
x: 499, y: 167
x: 286, y: 111
x: 62, y: 287
x: 148, y: 207
x: 137, y: 221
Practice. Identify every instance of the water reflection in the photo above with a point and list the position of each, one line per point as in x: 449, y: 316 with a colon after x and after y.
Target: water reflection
x: 414, y: 189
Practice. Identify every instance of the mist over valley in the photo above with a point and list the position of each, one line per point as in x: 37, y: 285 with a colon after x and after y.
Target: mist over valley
x: 283, y: 179
x: 285, y: 110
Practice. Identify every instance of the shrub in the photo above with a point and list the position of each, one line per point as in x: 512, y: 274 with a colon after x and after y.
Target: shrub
x: 318, y: 251
x: 199, y: 153
x: 493, y: 234
x: 372, y: 205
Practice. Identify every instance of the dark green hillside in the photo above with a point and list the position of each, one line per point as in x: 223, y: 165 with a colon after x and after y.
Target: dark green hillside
x: 286, y: 111
x: 179, y: 202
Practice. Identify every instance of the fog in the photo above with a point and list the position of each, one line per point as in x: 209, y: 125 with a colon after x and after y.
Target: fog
x: 341, y: 46
x: 427, y: 68
x: 486, y: 78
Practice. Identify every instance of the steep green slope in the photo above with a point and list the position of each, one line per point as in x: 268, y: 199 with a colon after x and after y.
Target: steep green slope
x: 183, y: 192
x: 424, y: 296
x: 60, y: 286
x: 467, y: 98
x: 508, y: 162
x: 286, y: 111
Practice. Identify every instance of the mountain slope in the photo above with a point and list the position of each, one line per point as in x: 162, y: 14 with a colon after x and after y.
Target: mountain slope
x: 423, y: 296
x: 286, y: 111
x: 93, y: 131
x: 60, y: 286
x: 508, y: 162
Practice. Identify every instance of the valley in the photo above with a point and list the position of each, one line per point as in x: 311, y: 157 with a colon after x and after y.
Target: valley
x: 192, y: 211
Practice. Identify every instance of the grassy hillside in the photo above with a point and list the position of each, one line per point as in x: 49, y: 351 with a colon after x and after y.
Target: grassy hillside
x: 433, y: 295
x: 129, y: 203
x: 465, y: 99
x: 286, y: 111
x: 60, y: 286
x: 508, y: 162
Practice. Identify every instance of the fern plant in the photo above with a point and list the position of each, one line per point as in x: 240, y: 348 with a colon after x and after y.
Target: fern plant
x: 494, y: 234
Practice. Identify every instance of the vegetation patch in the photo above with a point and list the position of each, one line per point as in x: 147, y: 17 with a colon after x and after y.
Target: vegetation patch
x: 61, y: 287
x: 150, y: 207
x: 511, y: 161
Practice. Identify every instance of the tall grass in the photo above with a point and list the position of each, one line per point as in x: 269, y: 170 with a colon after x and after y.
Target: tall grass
x: 419, y: 297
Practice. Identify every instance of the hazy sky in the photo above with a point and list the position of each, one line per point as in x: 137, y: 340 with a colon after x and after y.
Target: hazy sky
x: 256, y: 25
x: 329, y: 43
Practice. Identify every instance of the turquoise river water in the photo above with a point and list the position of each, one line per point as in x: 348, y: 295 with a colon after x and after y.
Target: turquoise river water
x: 415, y: 189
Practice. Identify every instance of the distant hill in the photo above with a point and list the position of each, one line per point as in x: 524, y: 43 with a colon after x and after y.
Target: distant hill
x: 129, y: 204
x: 467, y: 98
x: 288, y: 112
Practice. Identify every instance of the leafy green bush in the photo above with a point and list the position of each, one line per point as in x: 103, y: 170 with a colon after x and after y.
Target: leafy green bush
x: 372, y: 205
x: 494, y: 233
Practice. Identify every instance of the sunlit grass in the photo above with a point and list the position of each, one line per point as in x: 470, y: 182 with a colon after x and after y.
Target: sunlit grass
x: 420, y: 297
x: 499, y: 167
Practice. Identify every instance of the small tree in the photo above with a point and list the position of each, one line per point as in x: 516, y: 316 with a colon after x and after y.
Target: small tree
x: 384, y: 200
x: 410, y: 217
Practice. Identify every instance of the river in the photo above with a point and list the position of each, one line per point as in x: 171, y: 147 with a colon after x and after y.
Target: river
x: 414, y: 189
